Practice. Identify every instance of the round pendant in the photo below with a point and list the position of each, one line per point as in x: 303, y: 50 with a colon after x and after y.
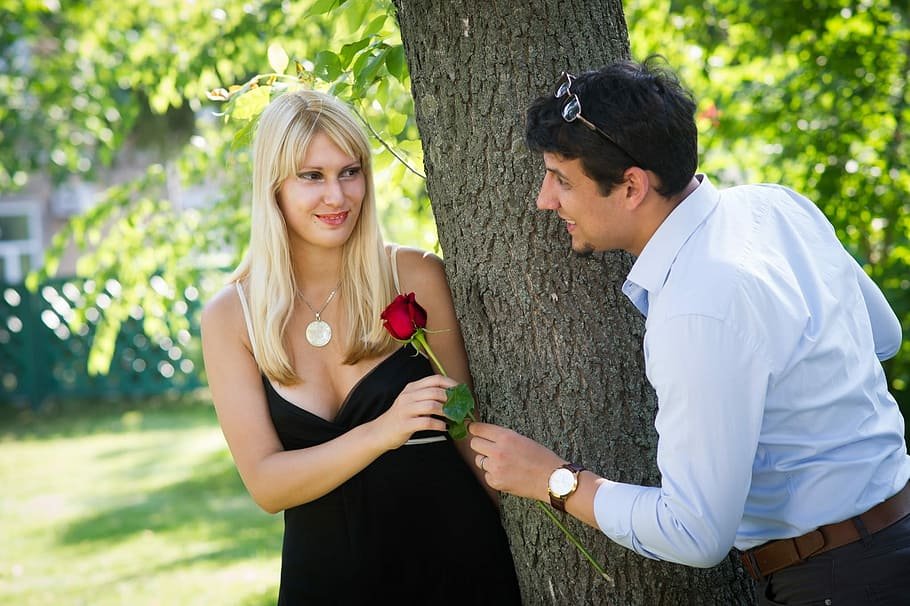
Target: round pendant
x: 318, y: 333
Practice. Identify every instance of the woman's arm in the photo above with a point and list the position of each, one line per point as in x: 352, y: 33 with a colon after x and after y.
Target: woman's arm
x: 275, y: 478
x: 424, y: 274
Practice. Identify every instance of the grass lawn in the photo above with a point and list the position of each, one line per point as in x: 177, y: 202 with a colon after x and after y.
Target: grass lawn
x: 128, y: 504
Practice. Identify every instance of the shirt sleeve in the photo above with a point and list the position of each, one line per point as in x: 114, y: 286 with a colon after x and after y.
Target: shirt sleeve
x: 886, y: 328
x: 711, y: 382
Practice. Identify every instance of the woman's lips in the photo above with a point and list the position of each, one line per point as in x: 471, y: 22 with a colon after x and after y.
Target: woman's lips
x: 334, y: 219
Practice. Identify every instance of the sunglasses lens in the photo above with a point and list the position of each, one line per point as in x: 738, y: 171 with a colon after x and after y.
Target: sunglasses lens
x: 571, y: 109
x: 563, y: 89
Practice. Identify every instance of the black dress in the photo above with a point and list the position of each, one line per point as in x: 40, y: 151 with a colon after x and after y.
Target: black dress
x: 414, y: 527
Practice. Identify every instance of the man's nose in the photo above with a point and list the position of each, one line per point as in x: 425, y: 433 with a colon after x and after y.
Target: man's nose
x: 545, y: 198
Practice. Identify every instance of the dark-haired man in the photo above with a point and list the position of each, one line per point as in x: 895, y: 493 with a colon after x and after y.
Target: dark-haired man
x: 777, y: 433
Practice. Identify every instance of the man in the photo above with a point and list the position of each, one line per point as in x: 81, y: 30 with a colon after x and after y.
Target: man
x: 777, y: 434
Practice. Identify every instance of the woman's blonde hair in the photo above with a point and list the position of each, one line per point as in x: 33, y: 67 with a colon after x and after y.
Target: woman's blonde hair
x: 285, y: 129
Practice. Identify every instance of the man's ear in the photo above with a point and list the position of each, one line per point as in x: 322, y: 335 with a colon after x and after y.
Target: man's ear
x: 637, y: 185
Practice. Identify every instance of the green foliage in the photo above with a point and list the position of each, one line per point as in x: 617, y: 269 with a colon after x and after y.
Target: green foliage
x: 814, y: 96
x: 80, y: 82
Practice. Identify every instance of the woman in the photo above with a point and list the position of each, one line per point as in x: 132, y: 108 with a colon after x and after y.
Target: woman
x: 328, y: 418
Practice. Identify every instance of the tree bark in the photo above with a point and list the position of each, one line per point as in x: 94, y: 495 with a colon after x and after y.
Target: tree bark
x: 554, y: 346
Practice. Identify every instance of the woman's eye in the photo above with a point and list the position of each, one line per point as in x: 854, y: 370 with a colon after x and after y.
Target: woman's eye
x: 309, y: 176
x: 351, y: 172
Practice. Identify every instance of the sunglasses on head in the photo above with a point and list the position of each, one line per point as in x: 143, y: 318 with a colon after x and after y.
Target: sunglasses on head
x: 571, y: 110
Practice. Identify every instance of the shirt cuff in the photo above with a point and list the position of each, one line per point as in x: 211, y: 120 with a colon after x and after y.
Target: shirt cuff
x: 613, y: 504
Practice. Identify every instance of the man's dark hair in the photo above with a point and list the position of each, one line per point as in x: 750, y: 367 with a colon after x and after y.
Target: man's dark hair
x: 642, y: 106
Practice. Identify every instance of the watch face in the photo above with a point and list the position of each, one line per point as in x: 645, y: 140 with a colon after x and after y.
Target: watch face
x: 562, y: 481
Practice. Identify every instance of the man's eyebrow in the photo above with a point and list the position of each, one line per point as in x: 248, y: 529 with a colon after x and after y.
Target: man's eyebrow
x: 557, y: 172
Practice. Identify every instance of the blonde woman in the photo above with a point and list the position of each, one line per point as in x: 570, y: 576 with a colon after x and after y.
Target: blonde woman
x: 327, y: 418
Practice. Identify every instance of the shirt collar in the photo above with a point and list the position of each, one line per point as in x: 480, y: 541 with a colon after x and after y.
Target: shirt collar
x: 652, y: 267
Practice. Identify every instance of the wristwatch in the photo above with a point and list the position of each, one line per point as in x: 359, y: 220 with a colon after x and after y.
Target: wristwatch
x: 563, y: 482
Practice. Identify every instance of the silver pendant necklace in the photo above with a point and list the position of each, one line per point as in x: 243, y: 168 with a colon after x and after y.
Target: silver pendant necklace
x: 318, y: 332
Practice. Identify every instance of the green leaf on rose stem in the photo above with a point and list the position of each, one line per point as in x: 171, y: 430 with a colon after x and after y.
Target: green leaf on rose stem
x: 459, y: 404
x: 458, y: 431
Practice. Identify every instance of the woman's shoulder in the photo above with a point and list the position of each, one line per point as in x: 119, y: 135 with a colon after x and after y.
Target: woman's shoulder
x: 422, y: 273
x: 223, y: 322
x: 223, y: 306
x: 416, y: 263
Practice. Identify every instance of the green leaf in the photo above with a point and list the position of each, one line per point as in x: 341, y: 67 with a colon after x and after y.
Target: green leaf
x: 99, y: 359
x: 366, y: 68
x: 375, y: 25
x: 340, y: 89
x: 328, y: 66
x: 244, y: 135
x: 278, y: 58
x: 355, y: 13
x: 459, y: 404
x: 320, y: 7
x: 397, y: 122
x: 381, y: 94
x: 395, y: 63
x: 250, y: 104
x: 458, y: 431
x: 349, y: 50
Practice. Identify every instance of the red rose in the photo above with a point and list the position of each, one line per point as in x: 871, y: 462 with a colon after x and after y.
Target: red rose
x: 403, y: 317
x: 406, y: 321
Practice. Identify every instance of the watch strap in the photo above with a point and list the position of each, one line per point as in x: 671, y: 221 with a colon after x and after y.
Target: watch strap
x: 574, y: 467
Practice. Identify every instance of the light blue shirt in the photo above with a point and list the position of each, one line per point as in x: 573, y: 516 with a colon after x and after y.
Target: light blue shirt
x: 763, y: 340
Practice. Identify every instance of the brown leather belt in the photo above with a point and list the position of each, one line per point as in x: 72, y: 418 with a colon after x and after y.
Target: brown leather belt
x: 767, y: 559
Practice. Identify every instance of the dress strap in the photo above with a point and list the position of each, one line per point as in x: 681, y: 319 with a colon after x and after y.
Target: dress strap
x: 246, y: 313
x: 394, y: 255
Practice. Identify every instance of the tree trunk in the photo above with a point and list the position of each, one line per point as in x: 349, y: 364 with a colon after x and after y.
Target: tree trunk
x: 555, y: 348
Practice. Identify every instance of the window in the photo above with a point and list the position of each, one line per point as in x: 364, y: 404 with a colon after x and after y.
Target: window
x: 20, y: 239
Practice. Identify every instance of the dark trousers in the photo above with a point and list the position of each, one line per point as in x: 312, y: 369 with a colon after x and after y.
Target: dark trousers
x: 874, y: 571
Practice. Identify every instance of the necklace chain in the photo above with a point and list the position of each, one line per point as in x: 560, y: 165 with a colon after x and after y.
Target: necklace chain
x: 324, y: 305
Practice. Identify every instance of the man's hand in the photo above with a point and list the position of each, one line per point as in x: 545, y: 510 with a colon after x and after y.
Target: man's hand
x: 513, y: 463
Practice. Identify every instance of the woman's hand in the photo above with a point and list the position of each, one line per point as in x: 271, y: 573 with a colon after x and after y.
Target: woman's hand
x: 415, y: 409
